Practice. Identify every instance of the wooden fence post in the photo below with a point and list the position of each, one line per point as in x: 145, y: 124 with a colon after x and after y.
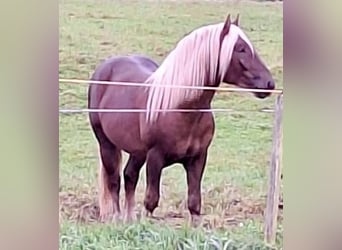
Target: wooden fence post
x: 273, y: 193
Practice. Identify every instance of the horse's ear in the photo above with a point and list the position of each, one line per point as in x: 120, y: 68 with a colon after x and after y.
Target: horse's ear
x: 226, y: 26
x: 237, y: 20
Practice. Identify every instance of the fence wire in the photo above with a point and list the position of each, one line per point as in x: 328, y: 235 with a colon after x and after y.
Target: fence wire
x: 133, y: 84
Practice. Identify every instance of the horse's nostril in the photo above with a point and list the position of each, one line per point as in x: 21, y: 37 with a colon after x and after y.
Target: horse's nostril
x: 270, y: 85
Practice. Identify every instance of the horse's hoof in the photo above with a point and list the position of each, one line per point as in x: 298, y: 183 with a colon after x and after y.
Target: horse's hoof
x: 105, y: 218
x: 146, y: 214
x: 130, y: 218
x: 110, y: 218
x: 195, y: 220
x: 117, y: 218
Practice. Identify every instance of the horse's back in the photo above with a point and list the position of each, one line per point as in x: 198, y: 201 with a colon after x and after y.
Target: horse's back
x: 125, y: 68
x: 135, y: 68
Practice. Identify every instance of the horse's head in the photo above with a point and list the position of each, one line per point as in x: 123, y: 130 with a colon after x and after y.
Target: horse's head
x: 246, y: 69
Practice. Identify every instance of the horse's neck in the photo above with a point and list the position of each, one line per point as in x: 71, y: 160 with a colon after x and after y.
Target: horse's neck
x: 203, y: 101
x: 206, y: 97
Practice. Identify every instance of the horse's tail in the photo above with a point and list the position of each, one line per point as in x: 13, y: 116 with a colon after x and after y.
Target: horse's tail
x: 93, y: 102
x: 95, y: 91
x: 105, y: 198
x: 109, y: 154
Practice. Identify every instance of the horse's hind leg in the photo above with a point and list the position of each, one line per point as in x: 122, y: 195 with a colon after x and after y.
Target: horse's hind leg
x: 131, y: 175
x: 109, y: 179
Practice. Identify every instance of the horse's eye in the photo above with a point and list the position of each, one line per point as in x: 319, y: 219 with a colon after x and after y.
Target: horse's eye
x: 242, y: 50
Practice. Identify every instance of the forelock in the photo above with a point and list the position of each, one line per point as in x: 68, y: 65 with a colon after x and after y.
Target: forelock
x: 242, y: 35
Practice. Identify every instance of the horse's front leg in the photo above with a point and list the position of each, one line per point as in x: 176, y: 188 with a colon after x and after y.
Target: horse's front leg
x: 194, y: 167
x: 154, y: 165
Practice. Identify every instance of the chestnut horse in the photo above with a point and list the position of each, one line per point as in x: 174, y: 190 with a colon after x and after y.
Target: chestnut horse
x: 207, y: 56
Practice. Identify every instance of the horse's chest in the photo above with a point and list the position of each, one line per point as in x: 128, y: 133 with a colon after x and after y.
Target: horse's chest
x: 180, y: 137
x: 192, y: 143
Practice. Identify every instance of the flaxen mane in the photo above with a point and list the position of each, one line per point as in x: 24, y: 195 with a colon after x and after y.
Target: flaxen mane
x: 192, y: 62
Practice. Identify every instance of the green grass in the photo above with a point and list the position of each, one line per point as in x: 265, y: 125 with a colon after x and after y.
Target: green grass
x: 234, y: 184
x: 149, y: 236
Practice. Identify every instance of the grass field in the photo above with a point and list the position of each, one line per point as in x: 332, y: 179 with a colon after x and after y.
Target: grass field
x: 235, y: 179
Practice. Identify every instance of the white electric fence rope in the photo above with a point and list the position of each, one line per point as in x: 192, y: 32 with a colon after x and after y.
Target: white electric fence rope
x: 166, y: 110
x: 223, y: 89
x: 134, y: 84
